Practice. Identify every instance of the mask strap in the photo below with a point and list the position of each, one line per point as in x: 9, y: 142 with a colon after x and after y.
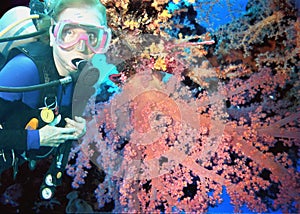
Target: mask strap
x: 103, y: 41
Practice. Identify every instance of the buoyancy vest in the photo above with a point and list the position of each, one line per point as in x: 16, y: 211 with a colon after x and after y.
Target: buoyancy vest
x: 83, y: 83
x: 41, y: 54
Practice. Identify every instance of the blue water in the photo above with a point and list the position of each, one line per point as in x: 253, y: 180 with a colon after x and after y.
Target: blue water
x: 212, y: 15
x: 221, y: 14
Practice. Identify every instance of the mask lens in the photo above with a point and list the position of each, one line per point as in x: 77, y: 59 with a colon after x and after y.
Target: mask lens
x: 94, y: 36
x: 97, y: 38
x: 69, y: 35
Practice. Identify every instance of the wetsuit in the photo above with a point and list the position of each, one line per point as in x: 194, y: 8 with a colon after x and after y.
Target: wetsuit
x: 16, y: 109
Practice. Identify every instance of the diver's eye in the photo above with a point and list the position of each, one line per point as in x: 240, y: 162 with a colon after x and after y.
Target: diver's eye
x: 92, y: 38
x: 69, y: 34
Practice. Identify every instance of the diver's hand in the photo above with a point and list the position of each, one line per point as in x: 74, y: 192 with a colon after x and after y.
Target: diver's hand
x: 54, y: 136
x: 79, y: 124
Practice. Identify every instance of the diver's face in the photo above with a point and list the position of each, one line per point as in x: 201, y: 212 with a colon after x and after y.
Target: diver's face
x: 65, y: 58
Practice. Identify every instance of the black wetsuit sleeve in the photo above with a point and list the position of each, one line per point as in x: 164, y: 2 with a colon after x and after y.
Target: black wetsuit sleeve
x: 13, y: 139
x: 12, y: 133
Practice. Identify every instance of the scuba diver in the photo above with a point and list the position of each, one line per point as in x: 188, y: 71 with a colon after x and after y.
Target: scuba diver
x: 46, y: 82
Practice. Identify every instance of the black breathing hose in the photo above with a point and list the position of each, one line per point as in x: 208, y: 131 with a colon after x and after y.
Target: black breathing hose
x: 36, y: 87
x: 72, y: 78
x: 25, y: 36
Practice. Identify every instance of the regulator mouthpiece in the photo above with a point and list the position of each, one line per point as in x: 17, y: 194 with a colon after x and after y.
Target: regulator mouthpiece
x: 79, y: 63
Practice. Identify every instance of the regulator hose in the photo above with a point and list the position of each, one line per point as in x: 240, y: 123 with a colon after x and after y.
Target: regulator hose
x: 36, y: 87
x: 71, y: 78
x: 11, y: 26
x: 25, y: 36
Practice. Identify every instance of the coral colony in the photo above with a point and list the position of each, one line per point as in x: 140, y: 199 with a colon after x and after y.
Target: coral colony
x: 193, y: 112
x: 197, y: 113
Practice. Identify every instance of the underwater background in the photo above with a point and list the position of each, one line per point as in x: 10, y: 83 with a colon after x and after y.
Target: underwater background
x: 202, y: 114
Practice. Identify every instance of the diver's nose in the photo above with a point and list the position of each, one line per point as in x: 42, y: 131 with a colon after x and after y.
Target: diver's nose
x: 81, y: 46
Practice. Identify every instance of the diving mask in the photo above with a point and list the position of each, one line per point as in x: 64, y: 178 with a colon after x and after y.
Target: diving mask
x: 68, y: 34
